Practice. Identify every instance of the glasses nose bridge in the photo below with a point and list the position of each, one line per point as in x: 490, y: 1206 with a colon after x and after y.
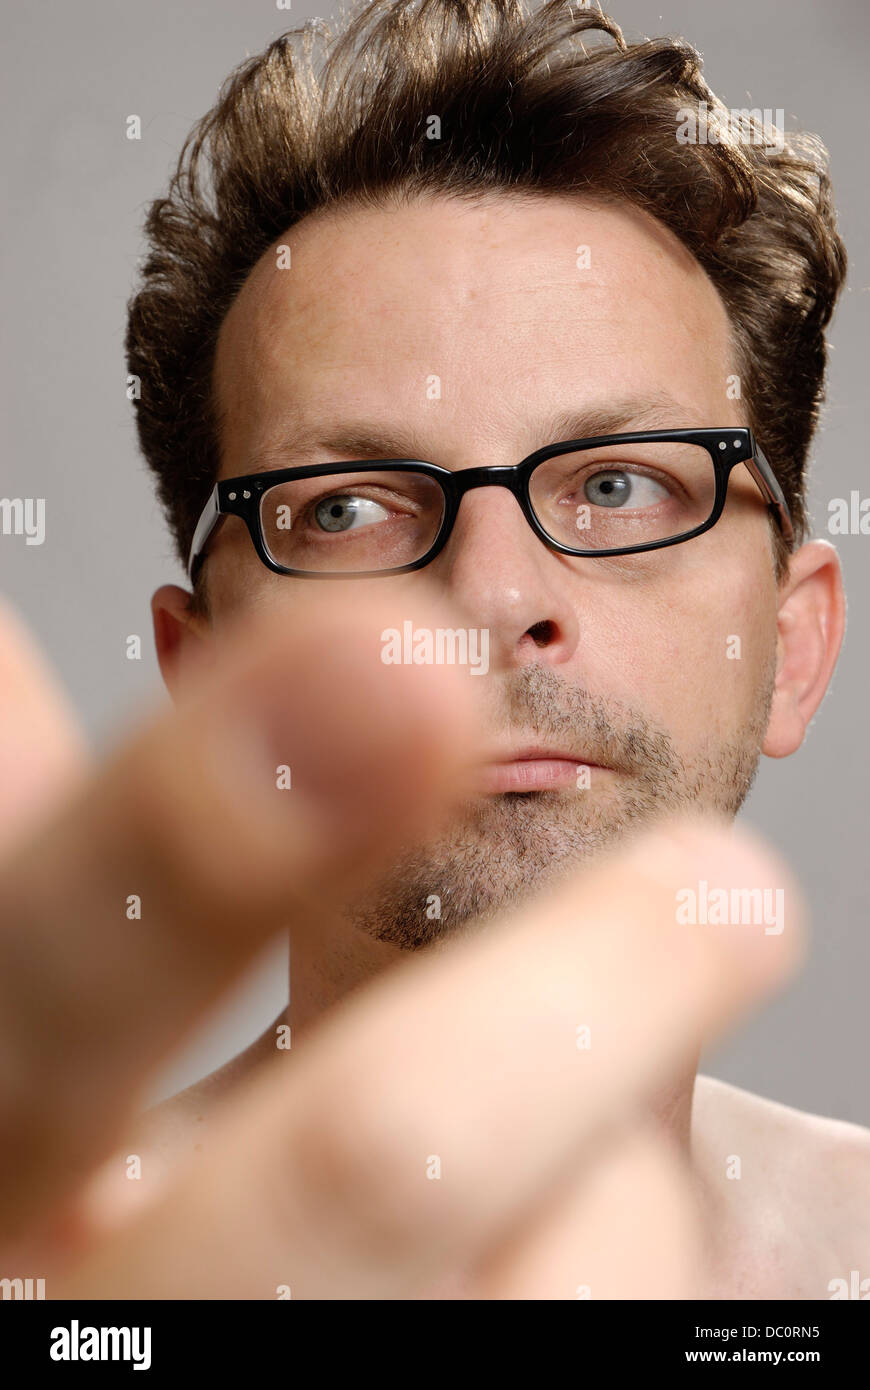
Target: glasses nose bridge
x: 495, y: 475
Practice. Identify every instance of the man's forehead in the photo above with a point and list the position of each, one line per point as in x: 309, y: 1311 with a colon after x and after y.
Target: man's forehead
x: 358, y: 250
x: 532, y: 288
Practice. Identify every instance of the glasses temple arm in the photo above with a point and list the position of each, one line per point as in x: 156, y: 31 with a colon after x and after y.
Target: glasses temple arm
x: 211, y: 515
x: 769, y: 483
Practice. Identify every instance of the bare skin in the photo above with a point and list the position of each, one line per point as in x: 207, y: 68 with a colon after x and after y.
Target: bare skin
x: 287, y: 1160
x: 796, y: 1219
x: 309, y: 1172
x: 775, y: 1232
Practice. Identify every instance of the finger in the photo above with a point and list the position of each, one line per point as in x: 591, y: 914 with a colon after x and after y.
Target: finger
x: 42, y: 749
x: 628, y: 1228
x: 186, y: 825
x: 413, y: 1129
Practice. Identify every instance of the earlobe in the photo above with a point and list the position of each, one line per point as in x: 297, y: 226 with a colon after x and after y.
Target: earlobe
x: 811, y: 623
x: 182, y: 637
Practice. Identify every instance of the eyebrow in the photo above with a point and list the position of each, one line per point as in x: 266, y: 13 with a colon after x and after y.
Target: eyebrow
x: 359, y: 439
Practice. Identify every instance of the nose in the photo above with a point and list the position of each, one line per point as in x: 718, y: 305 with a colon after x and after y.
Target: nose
x: 497, y: 569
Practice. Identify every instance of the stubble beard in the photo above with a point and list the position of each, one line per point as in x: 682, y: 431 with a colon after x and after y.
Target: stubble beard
x: 500, y: 850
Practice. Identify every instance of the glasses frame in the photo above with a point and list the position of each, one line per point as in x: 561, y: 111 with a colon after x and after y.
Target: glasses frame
x: 240, y: 496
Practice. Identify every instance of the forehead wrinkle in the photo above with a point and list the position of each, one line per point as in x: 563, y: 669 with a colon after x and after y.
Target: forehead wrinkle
x: 260, y: 330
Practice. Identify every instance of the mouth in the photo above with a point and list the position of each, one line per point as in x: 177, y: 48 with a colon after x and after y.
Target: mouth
x: 540, y: 769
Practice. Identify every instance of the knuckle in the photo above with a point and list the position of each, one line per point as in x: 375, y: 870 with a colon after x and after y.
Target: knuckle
x: 180, y: 837
x: 362, y: 1171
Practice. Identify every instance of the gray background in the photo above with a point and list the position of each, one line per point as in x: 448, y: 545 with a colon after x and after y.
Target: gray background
x: 76, y: 191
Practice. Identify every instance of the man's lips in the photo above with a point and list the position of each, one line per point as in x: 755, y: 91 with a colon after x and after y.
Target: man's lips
x: 537, y: 769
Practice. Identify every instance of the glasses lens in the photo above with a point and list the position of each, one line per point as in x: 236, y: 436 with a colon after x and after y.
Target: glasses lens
x: 622, y: 495
x: 348, y: 523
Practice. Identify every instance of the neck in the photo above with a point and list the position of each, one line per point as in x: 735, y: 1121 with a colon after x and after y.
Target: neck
x: 672, y: 1109
x: 322, y: 981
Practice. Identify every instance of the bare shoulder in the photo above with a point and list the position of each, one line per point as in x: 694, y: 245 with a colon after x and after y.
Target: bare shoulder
x: 171, y: 1127
x: 809, y: 1175
x: 163, y: 1138
x: 177, y: 1126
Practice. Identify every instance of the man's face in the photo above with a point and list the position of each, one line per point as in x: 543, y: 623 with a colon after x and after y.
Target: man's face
x: 627, y: 663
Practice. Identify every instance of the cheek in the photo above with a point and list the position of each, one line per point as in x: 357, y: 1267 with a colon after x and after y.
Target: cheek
x: 689, y: 652
x: 232, y: 591
x: 239, y: 585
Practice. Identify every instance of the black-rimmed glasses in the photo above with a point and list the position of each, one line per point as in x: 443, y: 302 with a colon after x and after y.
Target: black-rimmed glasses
x: 615, y: 494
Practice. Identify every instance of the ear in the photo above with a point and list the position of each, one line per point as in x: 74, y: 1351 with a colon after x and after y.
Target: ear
x: 810, y: 627
x: 183, y: 637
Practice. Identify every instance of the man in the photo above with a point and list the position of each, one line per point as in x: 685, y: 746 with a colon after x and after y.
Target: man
x: 496, y: 1009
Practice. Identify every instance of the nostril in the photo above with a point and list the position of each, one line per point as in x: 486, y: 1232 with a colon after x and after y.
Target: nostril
x: 541, y: 633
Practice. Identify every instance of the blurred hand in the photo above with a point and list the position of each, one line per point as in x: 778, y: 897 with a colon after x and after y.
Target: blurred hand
x: 317, y: 1178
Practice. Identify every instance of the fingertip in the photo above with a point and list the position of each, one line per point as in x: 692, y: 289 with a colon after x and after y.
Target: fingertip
x: 731, y: 882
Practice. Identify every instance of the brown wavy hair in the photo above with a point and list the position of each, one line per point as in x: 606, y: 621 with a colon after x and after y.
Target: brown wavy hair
x: 548, y: 100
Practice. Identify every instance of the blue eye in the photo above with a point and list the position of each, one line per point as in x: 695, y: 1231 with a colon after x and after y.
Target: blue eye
x: 346, y: 513
x: 619, y: 488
